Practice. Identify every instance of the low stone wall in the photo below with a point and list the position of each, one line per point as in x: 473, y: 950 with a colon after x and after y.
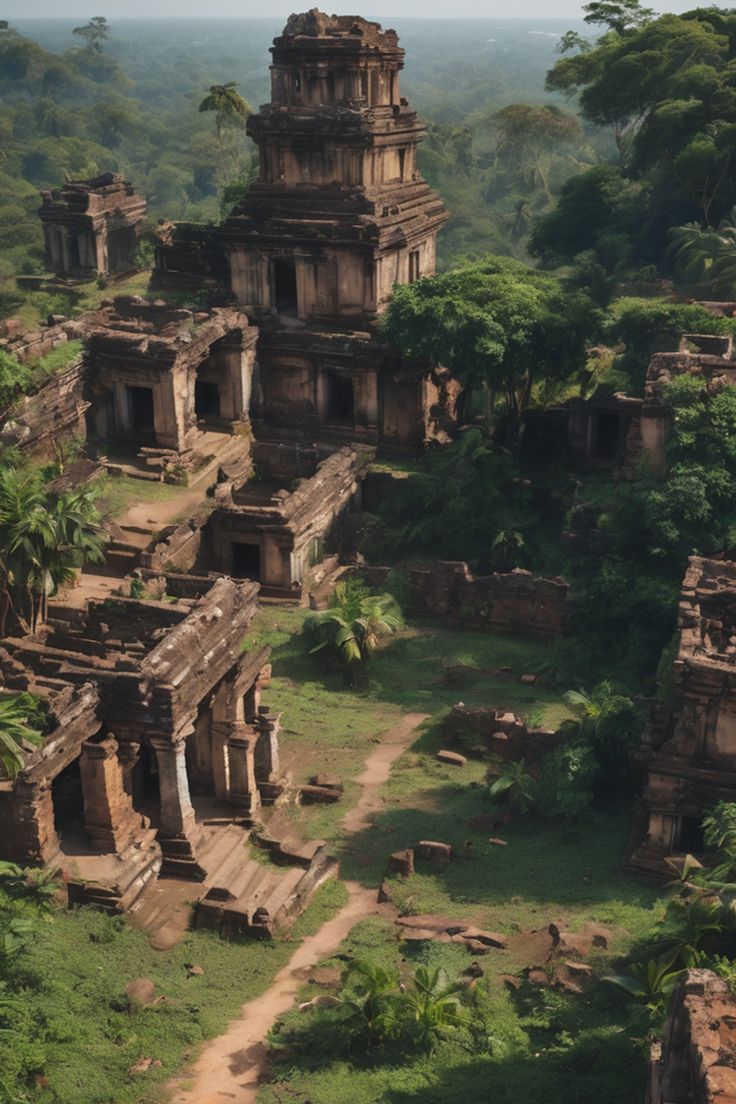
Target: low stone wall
x: 696, y: 1061
x: 516, y: 602
x: 505, y: 734
x: 179, y: 547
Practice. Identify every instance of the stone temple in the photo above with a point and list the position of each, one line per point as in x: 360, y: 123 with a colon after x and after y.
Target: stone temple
x: 339, y: 214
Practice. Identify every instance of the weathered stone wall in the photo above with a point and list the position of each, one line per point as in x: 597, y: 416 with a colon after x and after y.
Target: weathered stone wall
x: 696, y: 1063
x: 516, y: 602
x: 497, y: 731
x: 179, y: 548
x: 55, y: 412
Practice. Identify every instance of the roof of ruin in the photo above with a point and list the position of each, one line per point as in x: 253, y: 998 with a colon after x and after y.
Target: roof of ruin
x: 707, y: 616
x: 316, y: 24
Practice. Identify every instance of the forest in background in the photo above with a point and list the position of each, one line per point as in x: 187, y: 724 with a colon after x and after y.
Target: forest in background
x: 132, y: 106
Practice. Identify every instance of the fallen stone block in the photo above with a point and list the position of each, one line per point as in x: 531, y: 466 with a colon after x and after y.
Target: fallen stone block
x: 141, y: 990
x: 327, y: 782
x: 498, y: 842
x: 318, y: 795
x: 528, y: 680
x: 453, y: 758
x: 433, y: 851
x: 487, y: 938
x: 402, y: 862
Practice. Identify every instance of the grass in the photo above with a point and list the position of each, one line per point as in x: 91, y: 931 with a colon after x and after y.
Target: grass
x: 85, y: 1032
x: 37, y: 305
x: 58, y: 359
x: 568, y: 1048
x: 327, y: 727
x: 119, y: 492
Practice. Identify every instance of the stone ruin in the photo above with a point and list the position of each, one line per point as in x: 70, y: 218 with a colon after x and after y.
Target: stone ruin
x: 282, y: 538
x: 696, y: 1060
x: 483, y: 729
x: 337, y: 216
x: 158, y: 758
x: 158, y: 377
x: 91, y: 227
x: 693, y: 766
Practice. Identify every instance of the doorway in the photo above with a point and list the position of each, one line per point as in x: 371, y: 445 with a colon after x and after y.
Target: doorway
x: 246, y: 561
x: 140, y: 404
x: 144, y: 786
x: 692, y: 840
x: 339, y: 398
x: 284, y: 284
x: 68, y: 799
x: 607, y: 434
x: 206, y: 399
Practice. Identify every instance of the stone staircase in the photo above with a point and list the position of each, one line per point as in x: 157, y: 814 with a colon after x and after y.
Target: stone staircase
x: 113, y: 883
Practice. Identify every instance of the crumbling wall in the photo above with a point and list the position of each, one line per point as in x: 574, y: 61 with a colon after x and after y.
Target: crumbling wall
x: 696, y: 1062
x: 55, y: 412
x: 180, y: 547
x: 497, y: 731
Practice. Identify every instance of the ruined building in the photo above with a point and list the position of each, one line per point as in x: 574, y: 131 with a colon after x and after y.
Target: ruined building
x: 338, y: 215
x: 91, y: 227
x: 158, y: 376
x: 694, y: 766
x: 158, y: 756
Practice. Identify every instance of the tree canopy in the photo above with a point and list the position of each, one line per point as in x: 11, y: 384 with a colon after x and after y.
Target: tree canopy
x: 496, y: 324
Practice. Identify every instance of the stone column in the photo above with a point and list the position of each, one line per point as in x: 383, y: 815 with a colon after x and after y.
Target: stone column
x: 34, y: 836
x: 110, y: 820
x: 267, y: 747
x: 220, y: 732
x: 240, y: 746
x: 129, y: 752
x: 177, y: 812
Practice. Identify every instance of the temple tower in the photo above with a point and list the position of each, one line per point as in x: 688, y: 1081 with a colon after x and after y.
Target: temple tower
x: 338, y: 215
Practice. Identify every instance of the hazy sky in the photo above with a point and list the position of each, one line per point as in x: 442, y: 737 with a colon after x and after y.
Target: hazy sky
x: 493, y: 9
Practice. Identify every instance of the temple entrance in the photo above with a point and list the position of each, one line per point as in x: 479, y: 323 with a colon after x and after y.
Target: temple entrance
x: 691, y: 836
x: 284, y: 285
x: 339, y: 398
x: 121, y: 246
x: 144, y: 783
x: 206, y: 399
x: 246, y: 561
x: 68, y: 799
x: 140, y: 405
x: 607, y: 435
x: 75, y: 260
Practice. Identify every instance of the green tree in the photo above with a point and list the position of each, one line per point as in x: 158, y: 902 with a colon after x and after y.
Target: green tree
x: 94, y: 33
x: 351, y: 627
x: 368, y: 1004
x: 430, y: 1006
x: 496, y: 324
x: 531, y: 136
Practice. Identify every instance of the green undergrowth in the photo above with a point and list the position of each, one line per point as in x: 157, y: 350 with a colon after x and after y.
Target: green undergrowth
x: 117, y: 493
x: 530, y: 1044
x: 330, y: 728
x: 82, y: 1034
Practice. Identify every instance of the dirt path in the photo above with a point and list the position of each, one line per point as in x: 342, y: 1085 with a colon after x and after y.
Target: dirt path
x: 229, y: 1068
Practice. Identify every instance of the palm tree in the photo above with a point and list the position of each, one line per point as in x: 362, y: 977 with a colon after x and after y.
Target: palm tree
x: 707, y: 254
x: 698, y: 927
x: 432, y: 1005
x: 16, y: 735
x: 514, y: 787
x: 650, y: 983
x: 228, y: 105
x: 369, y: 1006
x: 352, y: 625
x: 506, y: 549
x: 44, y: 540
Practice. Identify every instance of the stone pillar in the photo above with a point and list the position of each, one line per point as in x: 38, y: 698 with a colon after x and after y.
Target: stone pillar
x: 240, y: 745
x: 129, y: 752
x: 178, y: 821
x: 110, y: 820
x: 34, y: 836
x: 267, y: 747
x: 220, y: 733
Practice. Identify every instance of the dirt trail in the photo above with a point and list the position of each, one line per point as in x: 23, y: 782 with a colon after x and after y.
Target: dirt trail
x: 228, y: 1069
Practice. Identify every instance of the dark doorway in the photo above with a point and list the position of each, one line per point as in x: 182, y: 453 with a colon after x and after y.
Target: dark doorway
x: 339, y: 398
x: 75, y: 260
x: 121, y: 247
x: 607, y: 436
x: 144, y: 779
x: 284, y: 284
x: 691, y: 836
x: 66, y: 794
x: 141, y: 409
x: 206, y: 399
x: 246, y: 561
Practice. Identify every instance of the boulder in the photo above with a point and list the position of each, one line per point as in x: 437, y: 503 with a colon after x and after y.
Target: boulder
x: 318, y: 795
x: 141, y: 990
x: 327, y: 781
